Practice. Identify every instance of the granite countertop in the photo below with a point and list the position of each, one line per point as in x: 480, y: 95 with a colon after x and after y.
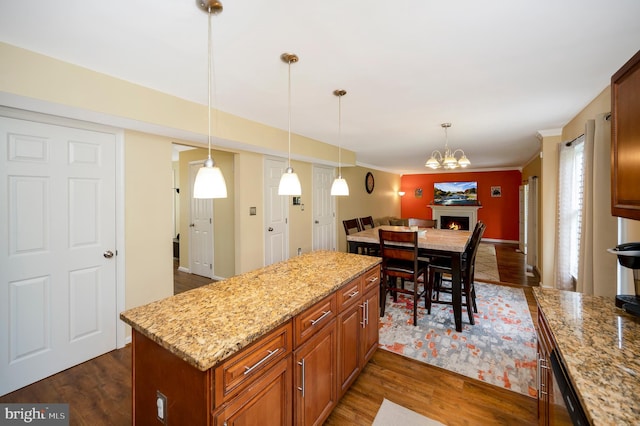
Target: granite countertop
x: 600, y: 346
x: 206, y: 325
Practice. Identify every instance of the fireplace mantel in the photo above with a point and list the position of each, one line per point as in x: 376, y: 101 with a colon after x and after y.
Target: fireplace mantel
x: 464, y: 211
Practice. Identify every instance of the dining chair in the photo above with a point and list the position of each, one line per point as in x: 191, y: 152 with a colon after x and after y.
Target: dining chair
x: 423, y: 223
x: 367, y: 222
x: 438, y: 268
x: 399, y: 252
x: 351, y: 226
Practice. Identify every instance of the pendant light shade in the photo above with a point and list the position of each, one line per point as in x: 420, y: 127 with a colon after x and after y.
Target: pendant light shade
x: 289, y: 182
x: 339, y: 186
x: 209, y: 181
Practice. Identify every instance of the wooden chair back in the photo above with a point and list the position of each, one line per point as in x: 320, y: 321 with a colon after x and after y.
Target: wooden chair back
x: 351, y: 226
x: 367, y: 222
x: 423, y: 223
x: 399, y: 252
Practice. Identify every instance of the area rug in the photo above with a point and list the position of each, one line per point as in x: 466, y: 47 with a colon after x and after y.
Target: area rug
x: 486, y: 263
x: 500, y: 349
x: 392, y: 414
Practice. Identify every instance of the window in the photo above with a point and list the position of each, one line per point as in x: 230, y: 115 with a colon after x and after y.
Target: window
x: 570, y: 197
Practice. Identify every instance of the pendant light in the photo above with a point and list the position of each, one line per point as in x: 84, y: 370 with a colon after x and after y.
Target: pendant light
x: 209, y: 181
x: 339, y: 186
x: 289, y: 182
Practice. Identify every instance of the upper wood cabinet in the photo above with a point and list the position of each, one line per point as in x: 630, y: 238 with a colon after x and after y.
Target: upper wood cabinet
x: 625, y: 140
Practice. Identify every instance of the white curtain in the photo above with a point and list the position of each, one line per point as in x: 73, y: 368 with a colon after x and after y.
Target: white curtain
x: 599, y: 229
x: 570, y: 178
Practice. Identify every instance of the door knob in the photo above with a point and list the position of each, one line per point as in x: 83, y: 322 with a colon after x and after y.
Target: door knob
x: 191, y: 225
x: 270, y: 229
x: 108, y: 254
x: 316, y: 222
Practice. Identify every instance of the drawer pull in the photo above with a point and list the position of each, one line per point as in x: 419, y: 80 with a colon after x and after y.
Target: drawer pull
x: 248, y: 370
x: 373, y: 279
x: 354, y: 294
x: 324, y: 314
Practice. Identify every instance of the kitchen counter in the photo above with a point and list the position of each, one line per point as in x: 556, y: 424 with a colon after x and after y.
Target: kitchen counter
x: 600, y: 346
x: 206, y: 325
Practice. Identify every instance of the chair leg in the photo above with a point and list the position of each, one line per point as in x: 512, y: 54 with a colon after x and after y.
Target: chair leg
x: 383, y: 294
x: 415, y: 304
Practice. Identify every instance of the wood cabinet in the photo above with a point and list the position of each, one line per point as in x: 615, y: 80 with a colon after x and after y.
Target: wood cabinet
x: 288, y: 376
x: 625, y: 140
x: 551, y: 408
x: 357, y: 326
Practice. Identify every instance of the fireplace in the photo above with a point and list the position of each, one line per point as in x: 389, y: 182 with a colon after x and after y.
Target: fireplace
x: 458, y: 223
x: 469, y: 214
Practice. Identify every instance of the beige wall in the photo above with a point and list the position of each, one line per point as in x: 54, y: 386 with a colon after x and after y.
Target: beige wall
x: 148, y: 218
x: 383, y: 201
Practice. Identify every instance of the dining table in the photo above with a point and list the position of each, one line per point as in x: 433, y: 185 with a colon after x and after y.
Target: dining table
x: 432, y: 242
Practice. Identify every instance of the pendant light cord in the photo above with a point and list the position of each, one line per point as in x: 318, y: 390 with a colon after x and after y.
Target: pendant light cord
x: 340, y: 136
x: 209, y: 66
x: 289, y: 100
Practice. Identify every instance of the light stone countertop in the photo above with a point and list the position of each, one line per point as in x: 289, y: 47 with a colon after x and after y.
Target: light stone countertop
x: 600, y: 346
x: 206, y: 325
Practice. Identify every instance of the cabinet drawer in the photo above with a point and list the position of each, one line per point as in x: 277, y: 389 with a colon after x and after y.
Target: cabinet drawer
x: 236, y: 373
x: 371, y: 278
x: 349, y: 294
x: 313, y: 319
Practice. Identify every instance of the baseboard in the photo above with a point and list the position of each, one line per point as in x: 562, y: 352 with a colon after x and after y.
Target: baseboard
x: 493, y: 240
x: 183, y: 269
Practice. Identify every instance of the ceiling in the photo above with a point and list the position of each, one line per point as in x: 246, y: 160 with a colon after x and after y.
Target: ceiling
x: 499, y: 70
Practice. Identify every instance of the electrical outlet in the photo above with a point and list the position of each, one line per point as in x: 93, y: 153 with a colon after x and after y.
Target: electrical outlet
x: 161, y: 403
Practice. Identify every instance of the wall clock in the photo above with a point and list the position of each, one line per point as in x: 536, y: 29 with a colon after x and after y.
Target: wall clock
x: 369, y: 182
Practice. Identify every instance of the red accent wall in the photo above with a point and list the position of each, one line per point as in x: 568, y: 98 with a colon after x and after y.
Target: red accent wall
x: 500, y: 214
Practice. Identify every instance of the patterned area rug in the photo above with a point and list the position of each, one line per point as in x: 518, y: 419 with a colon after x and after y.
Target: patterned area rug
x: 486, y: 263
x: 499, y: 349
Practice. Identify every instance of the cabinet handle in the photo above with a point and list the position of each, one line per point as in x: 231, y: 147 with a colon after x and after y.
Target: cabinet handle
x: 373, y: 279
x: 354, y: 294
x: 543, y: 377
x: 248, y: 370
x: 324, y: 314
x: 364, y: 315
x: 366, y: 304
x: 301, y: 388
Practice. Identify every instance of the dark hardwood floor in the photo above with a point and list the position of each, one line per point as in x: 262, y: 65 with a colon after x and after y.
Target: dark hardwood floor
x: 99, y: 391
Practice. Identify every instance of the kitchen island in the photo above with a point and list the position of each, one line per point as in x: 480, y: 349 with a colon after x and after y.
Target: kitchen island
x: 281, y: 343
x: 599, y: 345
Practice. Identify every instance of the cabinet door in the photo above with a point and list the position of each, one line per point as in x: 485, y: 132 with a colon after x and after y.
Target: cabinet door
x: 349, y: 347
x: 267, y: 401
x: 315, y: 377
x: 371, y: 317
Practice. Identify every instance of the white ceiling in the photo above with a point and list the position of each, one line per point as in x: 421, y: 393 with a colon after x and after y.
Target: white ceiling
x: 499, y: 70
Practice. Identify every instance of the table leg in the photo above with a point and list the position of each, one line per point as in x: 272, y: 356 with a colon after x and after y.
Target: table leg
x: 456, y: 290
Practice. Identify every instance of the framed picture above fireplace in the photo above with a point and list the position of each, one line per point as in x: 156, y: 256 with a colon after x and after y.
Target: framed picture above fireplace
x: 455, y: 193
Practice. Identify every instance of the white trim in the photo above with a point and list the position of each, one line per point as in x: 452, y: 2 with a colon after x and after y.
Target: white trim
x: 462, y: 211
x: 496, y: 240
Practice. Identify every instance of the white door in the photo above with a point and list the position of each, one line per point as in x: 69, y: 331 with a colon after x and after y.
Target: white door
x: 276, y: 237
x: 201, y: 231
x: 323, y: 209
x: 57, y: 236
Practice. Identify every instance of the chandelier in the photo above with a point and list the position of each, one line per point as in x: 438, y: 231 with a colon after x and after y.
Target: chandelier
x: 448, y: 160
